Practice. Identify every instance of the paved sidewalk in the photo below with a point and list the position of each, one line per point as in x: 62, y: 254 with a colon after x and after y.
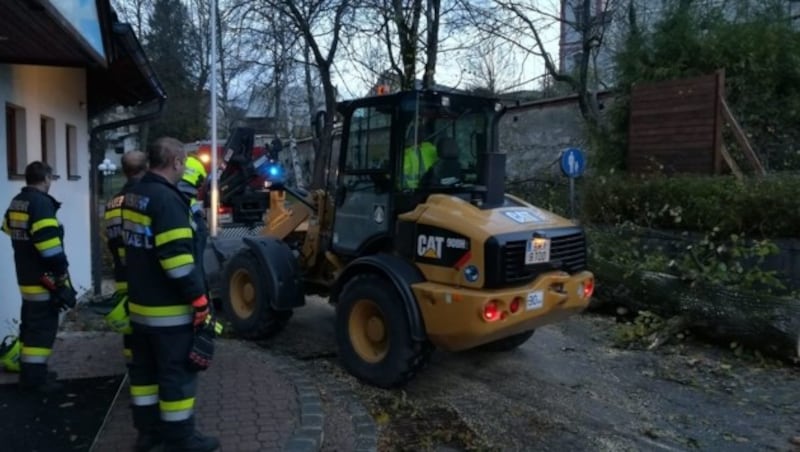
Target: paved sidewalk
x: 249, y: 399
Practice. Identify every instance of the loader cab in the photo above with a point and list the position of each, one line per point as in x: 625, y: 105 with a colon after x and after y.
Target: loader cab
x: 398, y: 149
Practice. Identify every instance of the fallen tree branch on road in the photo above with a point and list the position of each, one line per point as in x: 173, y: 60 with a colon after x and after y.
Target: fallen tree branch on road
x: 765, y: 322
x: 673, y: 326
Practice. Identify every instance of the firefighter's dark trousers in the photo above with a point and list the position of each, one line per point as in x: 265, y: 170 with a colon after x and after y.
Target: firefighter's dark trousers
x: 162, y: 386
x: 37, y: 332
x: 127, y: 350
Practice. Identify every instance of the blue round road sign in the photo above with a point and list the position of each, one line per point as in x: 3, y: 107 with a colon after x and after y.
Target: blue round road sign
x: 573, y: 163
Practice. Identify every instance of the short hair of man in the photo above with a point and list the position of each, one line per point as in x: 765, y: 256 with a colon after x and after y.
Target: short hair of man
x: 134, y: 163
x: 37, y: 172
x: 163, y: 150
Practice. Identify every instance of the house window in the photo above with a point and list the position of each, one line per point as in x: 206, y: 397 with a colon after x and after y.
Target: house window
x: 72, y: 153
x: 16, y: 159
x: 47, y: 128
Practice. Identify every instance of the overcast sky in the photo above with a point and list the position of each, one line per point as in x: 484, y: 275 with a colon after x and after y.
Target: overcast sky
x: 524, y: 74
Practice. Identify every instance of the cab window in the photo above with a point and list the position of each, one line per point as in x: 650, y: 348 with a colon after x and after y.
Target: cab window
x: 368, y: 141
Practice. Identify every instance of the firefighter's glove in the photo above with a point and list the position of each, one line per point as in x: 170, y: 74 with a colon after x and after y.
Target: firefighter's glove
x: 202, y: 351
x: 64, y: 296
x: 200, y: 305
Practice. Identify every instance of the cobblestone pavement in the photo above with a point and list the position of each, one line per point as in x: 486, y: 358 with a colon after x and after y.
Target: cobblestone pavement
x: 250, y: 398
x: 242, y: 399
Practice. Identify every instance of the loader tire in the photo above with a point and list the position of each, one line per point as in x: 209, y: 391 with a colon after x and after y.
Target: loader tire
x: 507, y: 343
x: 373, y: 336
x: 245, y: 299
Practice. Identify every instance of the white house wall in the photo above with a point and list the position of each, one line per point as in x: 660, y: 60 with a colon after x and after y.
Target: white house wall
x: 59, y: 93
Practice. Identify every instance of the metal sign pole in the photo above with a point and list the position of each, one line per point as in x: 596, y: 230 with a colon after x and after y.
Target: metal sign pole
x: 214, y: 185
x: 572, y: 197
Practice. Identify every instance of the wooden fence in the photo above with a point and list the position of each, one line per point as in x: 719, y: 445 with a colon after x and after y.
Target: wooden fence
x: 675, y: 126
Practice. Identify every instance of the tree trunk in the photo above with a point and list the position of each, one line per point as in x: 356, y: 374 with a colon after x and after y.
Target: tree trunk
x: 309, y: 91
x: 765, y: 322
x: 432, y: 47
x: 322, y: 158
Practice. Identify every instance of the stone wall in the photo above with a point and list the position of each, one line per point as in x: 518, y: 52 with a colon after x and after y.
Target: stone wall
x: 534, y: 135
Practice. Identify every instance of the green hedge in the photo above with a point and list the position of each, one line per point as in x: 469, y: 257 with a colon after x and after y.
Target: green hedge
x: 757, y: 207
x: 545, y: 192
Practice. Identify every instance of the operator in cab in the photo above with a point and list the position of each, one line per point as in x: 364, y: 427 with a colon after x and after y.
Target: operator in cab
x: 418, y: 156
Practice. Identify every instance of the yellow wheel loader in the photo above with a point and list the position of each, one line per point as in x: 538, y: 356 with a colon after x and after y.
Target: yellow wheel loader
x: 414, y: 241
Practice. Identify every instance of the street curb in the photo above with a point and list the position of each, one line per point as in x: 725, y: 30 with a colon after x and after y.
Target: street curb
x: 309, y: 435
x: 364, y: 427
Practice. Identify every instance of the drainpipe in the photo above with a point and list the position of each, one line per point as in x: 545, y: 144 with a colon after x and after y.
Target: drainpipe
x: 95, y: 159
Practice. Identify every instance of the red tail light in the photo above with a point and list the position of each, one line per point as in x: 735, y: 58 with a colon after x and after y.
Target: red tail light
x: 491, y: 311
x: 514, y: 306
x: 588, y: 288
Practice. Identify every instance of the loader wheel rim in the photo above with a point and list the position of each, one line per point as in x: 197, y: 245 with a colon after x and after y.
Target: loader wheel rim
x: 367, y: 331
x: 242, y: 294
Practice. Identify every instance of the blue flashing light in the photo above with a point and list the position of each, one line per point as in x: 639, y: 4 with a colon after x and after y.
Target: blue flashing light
x: 271, y: 171
x: 274, y: 170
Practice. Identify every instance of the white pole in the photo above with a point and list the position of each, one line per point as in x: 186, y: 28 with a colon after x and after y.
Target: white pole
x: 214, y: 185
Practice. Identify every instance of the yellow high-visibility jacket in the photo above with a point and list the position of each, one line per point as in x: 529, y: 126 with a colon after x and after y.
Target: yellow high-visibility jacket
x: 412, y: 172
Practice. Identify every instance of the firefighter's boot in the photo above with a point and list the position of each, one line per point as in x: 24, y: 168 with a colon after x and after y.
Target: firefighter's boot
x: 196, y: 442
x: 147, y: 441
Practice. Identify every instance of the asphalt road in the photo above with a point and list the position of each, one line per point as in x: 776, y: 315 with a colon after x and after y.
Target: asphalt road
x: 570, y: 388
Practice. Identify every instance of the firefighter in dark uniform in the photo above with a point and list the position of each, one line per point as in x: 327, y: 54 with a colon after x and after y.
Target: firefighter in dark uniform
x: 166, y: 301
x: 37, y: 238
x: 134, y: 165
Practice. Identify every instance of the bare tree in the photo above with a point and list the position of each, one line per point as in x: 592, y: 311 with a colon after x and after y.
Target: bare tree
x: 134, y: 12
x: 232, y: 45
x: 368, y: 60
x: 319, y: 23
x: 492, y: 65
x: 200, y: 66
x: 229, y: 51
x: 409, y: 31
x: 401, y: 22
x: 520, y: 23
x: 433, y: 14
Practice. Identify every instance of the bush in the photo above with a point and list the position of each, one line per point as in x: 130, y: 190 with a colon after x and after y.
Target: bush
x: 545, y: 192
x: 758, y: 48
x: 768, y: 207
